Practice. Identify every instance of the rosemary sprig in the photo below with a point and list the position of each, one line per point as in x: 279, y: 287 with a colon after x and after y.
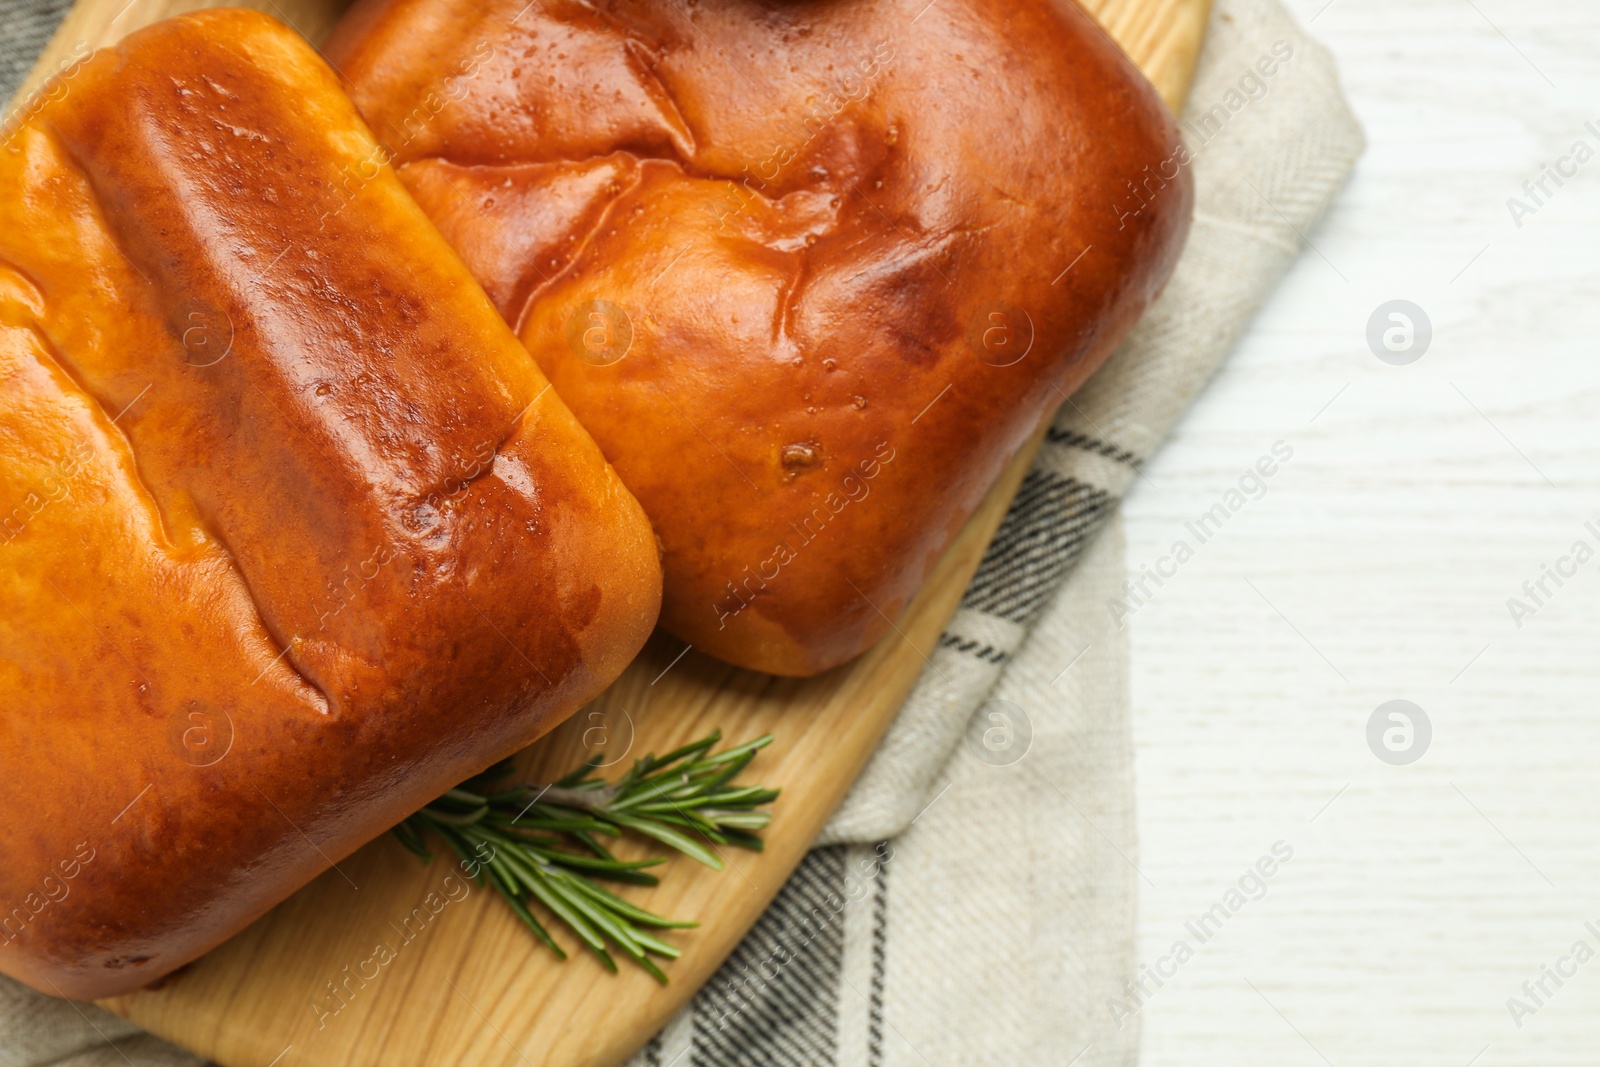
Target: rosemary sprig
x: 542, y: 844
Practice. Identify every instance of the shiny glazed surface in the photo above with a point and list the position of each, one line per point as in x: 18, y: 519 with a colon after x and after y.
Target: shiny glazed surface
x: 810, y: 271
x: 296, y: 536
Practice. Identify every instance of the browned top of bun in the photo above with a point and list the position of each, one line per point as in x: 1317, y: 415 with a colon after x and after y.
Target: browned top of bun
x: 854, y: 252
x: 296, y: 535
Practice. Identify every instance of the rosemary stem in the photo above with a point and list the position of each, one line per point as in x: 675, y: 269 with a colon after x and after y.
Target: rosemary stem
x: 591, y: 800
x: 539, y: 843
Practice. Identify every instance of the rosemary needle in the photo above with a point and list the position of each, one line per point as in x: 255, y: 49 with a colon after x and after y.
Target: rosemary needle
x: 542, y: 843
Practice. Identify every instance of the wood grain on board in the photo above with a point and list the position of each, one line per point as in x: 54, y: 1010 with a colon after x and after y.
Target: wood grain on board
x: 475, y: 987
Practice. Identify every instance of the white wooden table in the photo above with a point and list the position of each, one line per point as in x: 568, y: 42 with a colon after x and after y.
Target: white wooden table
x: 1378, y: 566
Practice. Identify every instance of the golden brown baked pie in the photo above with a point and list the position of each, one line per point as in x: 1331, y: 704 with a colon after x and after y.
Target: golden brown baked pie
x: 295, y: 534
x: 810, y: 271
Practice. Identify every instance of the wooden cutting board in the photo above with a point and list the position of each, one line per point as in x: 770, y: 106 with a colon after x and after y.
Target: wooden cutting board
x: 475, y: 988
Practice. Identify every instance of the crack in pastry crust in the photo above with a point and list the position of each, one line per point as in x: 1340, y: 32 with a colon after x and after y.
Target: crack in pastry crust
x: 28, y: 314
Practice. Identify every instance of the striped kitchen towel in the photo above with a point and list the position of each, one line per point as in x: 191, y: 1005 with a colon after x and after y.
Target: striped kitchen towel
x: 973, y: 900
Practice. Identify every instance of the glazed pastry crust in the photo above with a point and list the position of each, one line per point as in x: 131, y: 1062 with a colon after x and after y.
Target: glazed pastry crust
x: 296, y: 535
x: 811, y: 272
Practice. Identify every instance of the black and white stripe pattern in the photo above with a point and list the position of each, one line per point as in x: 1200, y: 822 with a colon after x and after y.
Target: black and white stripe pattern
x: 28, y: 26
x: 775, y: 1000
x: 1039, y: 540
x: 1075, y: 439
x: 973, y: 647
x: 880, y: 969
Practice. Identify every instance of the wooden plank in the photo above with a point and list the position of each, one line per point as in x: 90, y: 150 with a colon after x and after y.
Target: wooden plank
x: 473, y: 987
